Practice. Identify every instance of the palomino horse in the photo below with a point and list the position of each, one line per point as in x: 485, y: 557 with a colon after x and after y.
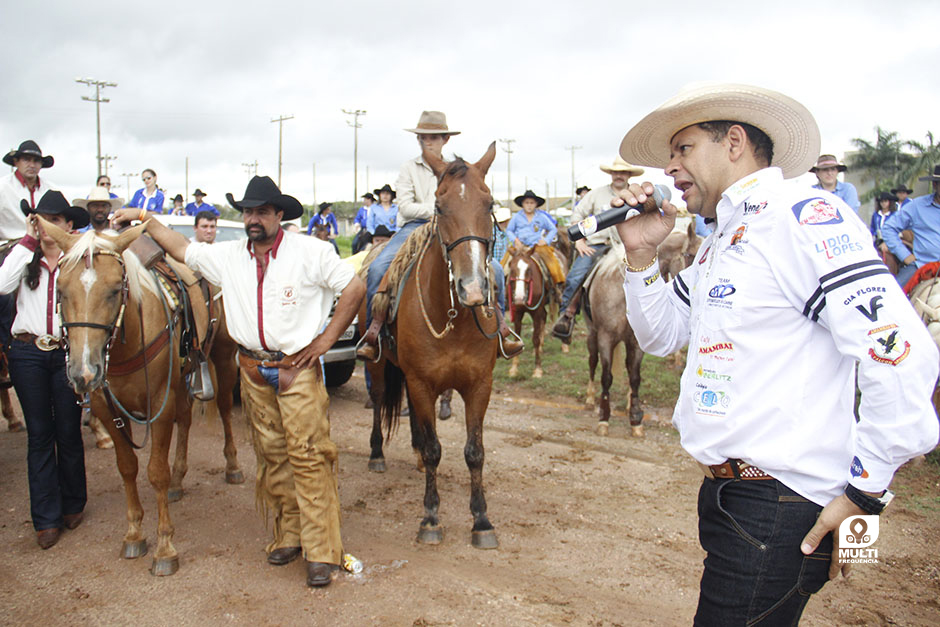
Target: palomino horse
x: 530, y: 289
x: 445, y: 333
x: 123, y: 349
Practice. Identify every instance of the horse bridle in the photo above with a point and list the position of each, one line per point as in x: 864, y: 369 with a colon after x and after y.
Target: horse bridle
x: 112, y: 328
x: 488, y: 242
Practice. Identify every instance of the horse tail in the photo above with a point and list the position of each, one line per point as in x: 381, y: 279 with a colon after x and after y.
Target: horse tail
x: 391, y: 401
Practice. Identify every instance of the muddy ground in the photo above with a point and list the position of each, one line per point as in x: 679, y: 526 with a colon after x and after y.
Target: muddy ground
x: 592, y: 531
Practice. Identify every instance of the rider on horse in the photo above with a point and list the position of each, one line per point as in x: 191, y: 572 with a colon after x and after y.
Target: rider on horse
x: 530, y: 228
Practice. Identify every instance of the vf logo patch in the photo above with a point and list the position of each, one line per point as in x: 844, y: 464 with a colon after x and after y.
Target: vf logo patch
x: 856, y: 535
x: 873, y: 306
x: 888, y: 347
x: 816, y: 211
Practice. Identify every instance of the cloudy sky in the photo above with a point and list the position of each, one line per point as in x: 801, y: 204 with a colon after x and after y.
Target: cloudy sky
x: 203, y: 79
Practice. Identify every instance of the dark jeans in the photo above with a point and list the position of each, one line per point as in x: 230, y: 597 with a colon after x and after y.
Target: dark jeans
x: 580, y: 268
x: 55, y: 456
x: 755, y: 573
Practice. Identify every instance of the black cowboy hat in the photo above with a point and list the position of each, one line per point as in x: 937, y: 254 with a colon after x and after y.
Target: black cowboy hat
x: 178, y: 197
x: 583, y: 188
x: 369, y: 196
x: 30, y: 148
x: 382, y: 231
x: 385, y: 188
x: 539, y: 201
x: 932, y: 177
x: 262, y: 190
x: 54, y: 203
x: 323, y: 206
x: 199, y: 192
x: 902, y: 188
x: 887, y: 196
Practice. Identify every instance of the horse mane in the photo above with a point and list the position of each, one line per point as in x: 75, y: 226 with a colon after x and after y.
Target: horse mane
x: 403, y: 259
x: 138, y: 279
x: 612, y: 262
x: 456, y: 168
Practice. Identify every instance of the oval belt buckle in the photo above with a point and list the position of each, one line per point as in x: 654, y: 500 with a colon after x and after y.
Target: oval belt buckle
x: 47, y: 342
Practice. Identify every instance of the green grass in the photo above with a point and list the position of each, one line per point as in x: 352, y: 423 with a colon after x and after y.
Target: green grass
x: 345, y: 245
x: 567, y: 375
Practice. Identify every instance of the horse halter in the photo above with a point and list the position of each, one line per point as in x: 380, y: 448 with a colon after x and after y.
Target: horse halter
x: 488, y: 242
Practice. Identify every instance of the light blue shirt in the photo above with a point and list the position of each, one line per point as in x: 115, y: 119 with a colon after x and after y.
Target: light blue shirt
x: 154, y: 204
x: 847, y: 192
x: 379, y: 215
x: 529, y: 233
x: 921, y: 215
x: 192, y: 208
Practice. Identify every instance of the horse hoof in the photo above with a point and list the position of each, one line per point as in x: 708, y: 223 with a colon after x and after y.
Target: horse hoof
x: 431, y: 535
x: 537, y: 374
x: 513, y: 371
x: 484, y: 539
x: 174, y: 494
x: 133, y: 550
x: 445, y: 411
x: 105, y: 442
x: 165, y: 566
x: 235, y: 477
x: 565, y: 348
x: 602, y: 429
x: 15, y: 426
x: 377, y: 465
x: 637, y: 431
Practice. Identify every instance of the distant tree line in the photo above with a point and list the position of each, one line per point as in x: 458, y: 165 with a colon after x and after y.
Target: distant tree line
x: 891, y: 161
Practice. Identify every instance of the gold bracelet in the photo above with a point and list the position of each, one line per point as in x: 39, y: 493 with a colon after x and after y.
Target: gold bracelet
x: 646, y: 267
x: 143, y: 215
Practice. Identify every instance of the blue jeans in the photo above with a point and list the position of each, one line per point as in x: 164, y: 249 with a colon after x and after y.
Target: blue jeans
x: 754, y: 570
x: 55, y: 455
x: 580, y: 268
x: 380, y: 264
x: 905, y: 273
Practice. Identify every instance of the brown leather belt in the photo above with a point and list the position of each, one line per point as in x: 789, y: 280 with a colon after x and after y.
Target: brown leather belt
x: 735, y: 469
x: 265, y: 356
x: 43, y: 342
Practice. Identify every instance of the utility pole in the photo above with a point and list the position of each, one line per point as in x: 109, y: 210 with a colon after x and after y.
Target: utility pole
x: 508, y: 151
x: 314, y: 184
x: 356, y: 126
x: 105, y: 159
x: 186, y: 167
x: 128, y: 176
x: 251, y: 168
x: 367, y: 183
x: 280, y: 142
x: 573, y: 183
x: 97, y: 100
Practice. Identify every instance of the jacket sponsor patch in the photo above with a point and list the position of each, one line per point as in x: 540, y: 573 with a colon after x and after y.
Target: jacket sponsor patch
x: 888, y: 347
x: 816, y: 211
x: 720, y: 294
x: 737, y: 240
x: 857, y: 469
x: 649, y: 280
x: 833, y: 247
x: 711, y: 402
x: 871, y: 312
x: 754, y: 209
x: 722, y: 351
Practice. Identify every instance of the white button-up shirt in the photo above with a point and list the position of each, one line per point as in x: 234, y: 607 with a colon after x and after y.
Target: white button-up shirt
x: 415, y: 190
x: 35, y: 309
x: 12, y: 191
x: 780, y: 304
x: 281, y: 308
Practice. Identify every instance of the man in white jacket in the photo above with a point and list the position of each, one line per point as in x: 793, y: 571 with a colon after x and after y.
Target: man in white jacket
x: 782, y: 302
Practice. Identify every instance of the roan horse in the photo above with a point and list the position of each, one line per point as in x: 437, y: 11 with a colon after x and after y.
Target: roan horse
x: 530, y: 289
x: 445, y: 333
x: 124, y: 349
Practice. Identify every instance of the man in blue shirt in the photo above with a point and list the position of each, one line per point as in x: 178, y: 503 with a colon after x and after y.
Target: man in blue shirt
x: 361, y: 238
x: 195, y: 207
x: 902, y: 192
x: 827, y: 170
x: 922, y: 216
x: 530, y: 227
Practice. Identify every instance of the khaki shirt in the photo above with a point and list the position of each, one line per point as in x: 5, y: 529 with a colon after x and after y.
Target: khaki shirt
x: 594, y: 202
x: 415, y: 191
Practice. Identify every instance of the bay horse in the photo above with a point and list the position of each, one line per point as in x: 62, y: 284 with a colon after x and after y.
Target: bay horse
x: 123, y: 348
x: 530, y: 289
x: 445, y: 334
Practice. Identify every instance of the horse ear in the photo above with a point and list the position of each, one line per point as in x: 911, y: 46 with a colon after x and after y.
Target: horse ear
x: 127, y: 237
x: 63, y: 239
x: 437, y: 164
x: 483, y: 165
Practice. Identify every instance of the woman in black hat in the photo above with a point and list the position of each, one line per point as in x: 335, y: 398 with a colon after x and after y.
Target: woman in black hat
x: 55, y: 457
x: 885, y: 205
x: 385, y: 212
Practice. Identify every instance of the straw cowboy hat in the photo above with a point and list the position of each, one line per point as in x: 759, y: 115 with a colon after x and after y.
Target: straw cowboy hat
x: 932, y: 177
x: 261, y: 191
x: 789, y: 124
x: 54, y: 203
x: 99, y: 194
x: 432, y: 123
x: 501, y: 213
x: 620, y: 165
x: 539, y: 201
x: 828, y: 161
x: 28, y: 148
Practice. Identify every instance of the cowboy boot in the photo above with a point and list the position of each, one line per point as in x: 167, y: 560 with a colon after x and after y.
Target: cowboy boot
x: 368, y: 349
x: 565, y: 323
x: 510, y: 346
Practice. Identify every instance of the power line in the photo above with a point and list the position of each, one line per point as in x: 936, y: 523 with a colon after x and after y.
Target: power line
x: 356, y: 126
x: 508, y: 150
x: 573, y: 183
x: 280, y: 142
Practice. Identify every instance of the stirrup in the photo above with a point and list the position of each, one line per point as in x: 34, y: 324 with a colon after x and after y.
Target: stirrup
x: 499, y: 336
x: 200, y: 382
x: 563, y: 336
x: 378, y: 348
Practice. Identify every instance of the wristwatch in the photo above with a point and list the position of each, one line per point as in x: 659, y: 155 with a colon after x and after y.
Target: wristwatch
x: 869, y: 504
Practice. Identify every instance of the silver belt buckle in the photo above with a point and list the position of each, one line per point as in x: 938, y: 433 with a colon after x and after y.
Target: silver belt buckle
x: 47, y: 342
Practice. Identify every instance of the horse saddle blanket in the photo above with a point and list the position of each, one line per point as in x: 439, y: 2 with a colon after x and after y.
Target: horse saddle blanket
x: 198, y: 296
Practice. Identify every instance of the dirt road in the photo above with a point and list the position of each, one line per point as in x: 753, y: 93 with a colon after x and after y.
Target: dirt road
x: 592, y: 531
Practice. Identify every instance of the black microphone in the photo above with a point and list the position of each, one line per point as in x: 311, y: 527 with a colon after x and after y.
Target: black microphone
x: 615, y: 215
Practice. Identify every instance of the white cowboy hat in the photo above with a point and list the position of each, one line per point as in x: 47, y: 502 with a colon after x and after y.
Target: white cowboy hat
x: 432, y: 123
x: 620, y: 165
x: 501, y: 213
x: 99, y: 194
x: 790, y: 125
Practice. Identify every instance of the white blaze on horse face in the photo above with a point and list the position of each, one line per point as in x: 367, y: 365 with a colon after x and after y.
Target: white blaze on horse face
x: 88, y: 278
x: 519, y: 291
x: 463, y: 191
